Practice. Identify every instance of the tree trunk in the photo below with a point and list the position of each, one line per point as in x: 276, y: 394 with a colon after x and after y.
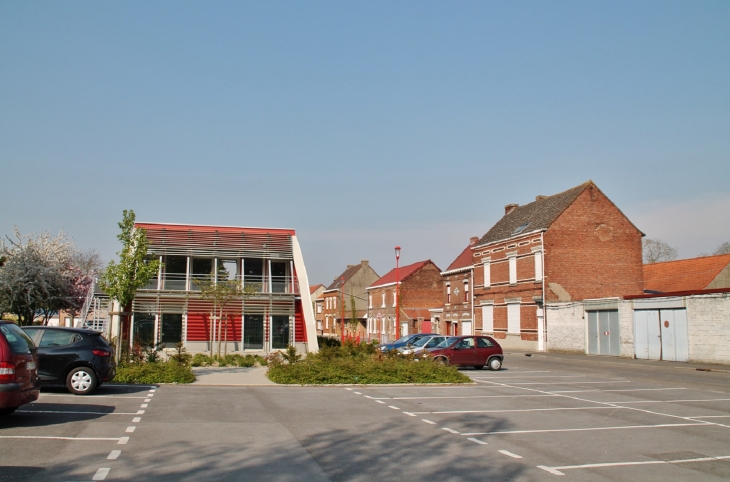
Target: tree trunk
x: 225, y: 340
x: 212, y: 316
x: 220, y: 323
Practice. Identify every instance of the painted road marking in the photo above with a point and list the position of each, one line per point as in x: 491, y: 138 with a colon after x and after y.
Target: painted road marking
x: 533, y: 376
x: 140, y: 412
x: 144, y: 405
x: 428, y: 421
x: 527, y: 410
x: 40, y: 437
x: 130, y: 429
x: 101, y: 474
x: 623, y: 464
x: 368, y: 396
x: 706, y: 424
x: 153, y: 390
x: 476, y: 440
x: 410, y: 414
x: 348, y: 389
x: 150, y: 395
x: 114, y: 454
x: 474, y: 396
x: 394, y: 408
x: 617, y: 390
x: 136, y: 419
x: 677, y: 401
x: 147, y: 400
x: 86, y: 396
x: 565, y: 383
x: 357, y: 393
x: 450, y: 430
x: 123, y: 441
x: 712, y: 416
x: 380, y: 401
x: 509, y: 454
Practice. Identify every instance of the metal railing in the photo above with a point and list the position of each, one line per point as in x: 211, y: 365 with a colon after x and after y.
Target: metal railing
x: 259, y: 284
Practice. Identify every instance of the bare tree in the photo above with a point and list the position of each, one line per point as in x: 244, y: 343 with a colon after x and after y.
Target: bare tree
x: 656, y: 250
x: 724, y: 248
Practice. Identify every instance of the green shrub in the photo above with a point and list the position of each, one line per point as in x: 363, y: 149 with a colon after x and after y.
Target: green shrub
x: 201, y: 360
x: 232, y: 360
x: 317, y: 369
x: 150, y: 373
x: 323, y: 341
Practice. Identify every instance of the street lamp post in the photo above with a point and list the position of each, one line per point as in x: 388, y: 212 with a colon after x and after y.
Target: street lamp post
x: 342, y: 296
x: 397, y: 304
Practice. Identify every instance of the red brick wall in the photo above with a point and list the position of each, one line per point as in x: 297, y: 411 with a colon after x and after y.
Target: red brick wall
x: 593, y: 251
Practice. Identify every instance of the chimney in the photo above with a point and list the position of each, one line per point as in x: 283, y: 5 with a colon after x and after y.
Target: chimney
x: 473, y: 240
x: 350, y: 266
x: 364, y: 262
x: 510, y: 207
x: 540, y: 197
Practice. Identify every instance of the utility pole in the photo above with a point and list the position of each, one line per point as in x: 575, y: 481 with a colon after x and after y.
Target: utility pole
x: 397, y: 304
x: 342, y: 305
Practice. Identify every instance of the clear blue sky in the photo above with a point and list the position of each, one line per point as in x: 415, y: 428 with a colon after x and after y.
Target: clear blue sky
x: 362, y: 124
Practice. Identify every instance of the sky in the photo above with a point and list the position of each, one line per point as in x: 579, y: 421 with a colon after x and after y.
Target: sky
x: 362, y: 125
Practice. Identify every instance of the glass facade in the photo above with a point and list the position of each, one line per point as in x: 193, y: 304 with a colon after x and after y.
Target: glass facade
x: 279, y: 332
x: 253, y: 332
x: 144, y: 328
x: 176, y: 268
x: 171, y: 328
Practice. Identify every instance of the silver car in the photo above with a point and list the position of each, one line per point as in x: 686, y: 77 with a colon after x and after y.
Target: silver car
x: 422, y: 344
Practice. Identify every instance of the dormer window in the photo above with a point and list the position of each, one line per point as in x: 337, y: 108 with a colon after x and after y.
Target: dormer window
x: 520, y: 228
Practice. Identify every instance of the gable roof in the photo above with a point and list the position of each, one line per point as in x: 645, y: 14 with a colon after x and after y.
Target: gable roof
x: 403, y: 273
x: 347, y: 274
x: 465, y: 259
x: 537, y: 215
x: 314, y: 288
x: 684, y: 274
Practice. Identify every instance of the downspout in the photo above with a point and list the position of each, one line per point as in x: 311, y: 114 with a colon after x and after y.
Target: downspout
x: 471, y: 300
x: 544, y: 304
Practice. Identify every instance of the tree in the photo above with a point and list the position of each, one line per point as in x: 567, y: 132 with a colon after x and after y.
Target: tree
x: 724, y: 248
x: 656, y: 250
x: 222, y: 292
x: 122, y: 280
x: 41, y: 275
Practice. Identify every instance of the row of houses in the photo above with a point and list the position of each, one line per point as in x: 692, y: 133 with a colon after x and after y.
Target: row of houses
x: 562, y: 273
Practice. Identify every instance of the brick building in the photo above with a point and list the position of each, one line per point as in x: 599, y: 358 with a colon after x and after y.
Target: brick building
x: 419, y: 287
x: 571, y: 246
x: 457, y: 315
x: 350, y: 287
x: 315, y: 293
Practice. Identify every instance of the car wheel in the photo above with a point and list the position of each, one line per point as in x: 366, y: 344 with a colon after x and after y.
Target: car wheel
x: 478, y: 367
x: 495, y: 363
x: 4, y: 412
x: 81, y: 381
x: 442, y: 360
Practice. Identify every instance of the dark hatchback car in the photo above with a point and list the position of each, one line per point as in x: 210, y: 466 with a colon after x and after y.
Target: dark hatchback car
x: 469, y: 351
x: 19, y: 383
x: 78, y: 358
x: 402, y: 342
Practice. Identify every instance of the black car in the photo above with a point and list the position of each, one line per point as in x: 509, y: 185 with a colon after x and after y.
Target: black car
x: 402, y: 342
x: 79, y: 358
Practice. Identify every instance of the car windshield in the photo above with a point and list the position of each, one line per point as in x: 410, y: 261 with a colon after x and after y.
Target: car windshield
x: 17, y: 339
x: 447, y: 342
x: 404, y: 339
x: 422, y: 341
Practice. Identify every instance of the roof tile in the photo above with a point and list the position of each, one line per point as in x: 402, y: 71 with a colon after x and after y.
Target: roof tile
x: 684, y: 274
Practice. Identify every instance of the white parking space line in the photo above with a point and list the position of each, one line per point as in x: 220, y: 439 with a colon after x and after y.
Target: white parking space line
x: 509, y: 454
x: 711, y: 416
x: 565, y: 383
x: 410, y: 414
x: 130, y: 429
x: 532, y: 376
x: 123, y: 441
x: 473, y: 396
x: 350, y: 389
x: 136, y: 419
x: 101, y: 474
x: 380, y: 401
x: 394, y: 408
x: 76, y: 412
x: 624, y: 464
x: 368, y: 396
x: 114, y: 454
x: 677, y: 401
x: 41, y: 437
x: 140, y: 412
x: 526, y: 410
x: 147, y: 400
x: 507, y: 372
x: 450, y: 430
x: 590, y: 429
x: 144, y: 405
x: 87, y: 397
x: 616, y: 390
x: 153, y: 391
x: 476, y: 440
x: 357, y: 393
x: 428, y: 421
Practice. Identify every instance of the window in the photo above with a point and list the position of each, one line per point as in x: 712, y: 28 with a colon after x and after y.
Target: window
x: 484, y: 343
x: 466, y: 291
x: 176, y: 268
x: 394, y: 300
x: 370, y: 300
x: 278, y: 277
x: 319, y: 308
x: 171, y: 328
x: 144, y: 328
x: 253, y: 332
x: 58, y: 338
x: 227, y: 269
x: 538, y: 265
x: 487, y: 274
x: 520, y: 228
x: 513, y: 317
x: 19, y: 342
x: 279, y: 332
x: 253, y: 273
x: 383, y: 299
x: 448, y: 294
x: 513, y: 269
x: 488, y: 318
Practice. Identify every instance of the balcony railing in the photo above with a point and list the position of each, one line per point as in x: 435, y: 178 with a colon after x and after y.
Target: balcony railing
x: 257, y: 284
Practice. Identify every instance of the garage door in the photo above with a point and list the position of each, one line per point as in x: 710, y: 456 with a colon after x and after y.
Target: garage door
x: 603, y: 333
x: 647, y: 337
x: 661, y: 335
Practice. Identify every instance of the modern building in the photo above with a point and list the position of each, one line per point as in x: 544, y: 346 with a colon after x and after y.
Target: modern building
x: 346, y: 293
x: 273, y: 313
x: 419, y: 290
x: 568, y: 247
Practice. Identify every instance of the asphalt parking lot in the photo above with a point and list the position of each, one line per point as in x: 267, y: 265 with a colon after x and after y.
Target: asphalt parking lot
x: 540, y: 418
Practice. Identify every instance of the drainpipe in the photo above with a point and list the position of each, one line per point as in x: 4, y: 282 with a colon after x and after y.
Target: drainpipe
x: 471, y: 300
x: 544, y: 309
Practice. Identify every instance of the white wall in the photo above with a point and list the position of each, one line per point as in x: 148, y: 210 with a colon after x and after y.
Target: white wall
x: 708, y: 317
x: 566, y: 327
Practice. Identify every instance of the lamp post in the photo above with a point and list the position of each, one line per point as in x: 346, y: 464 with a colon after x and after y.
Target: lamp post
x: 397, y: 304
x: 342, y: 296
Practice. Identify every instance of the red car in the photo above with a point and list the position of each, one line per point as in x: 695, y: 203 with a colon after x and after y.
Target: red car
x: 19, y: 382
x: 469, y: 351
